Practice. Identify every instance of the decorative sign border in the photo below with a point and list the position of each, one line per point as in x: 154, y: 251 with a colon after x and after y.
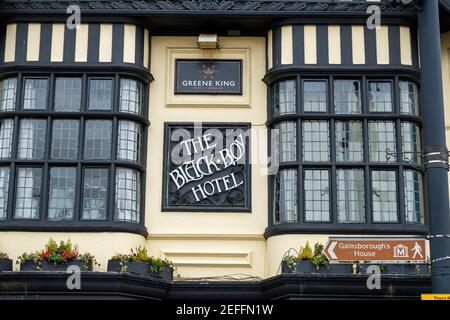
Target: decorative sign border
x: 244, y: 189
x: 208, y: 74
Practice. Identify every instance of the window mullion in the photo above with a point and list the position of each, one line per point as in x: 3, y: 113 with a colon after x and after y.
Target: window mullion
x: 300, y: 189
x: 11, y: 193
x: 333, y: 182
x: 45, y: 196
x: 366, y: 153
x: 78, y: 190
x: 51, y: 93
x: 112, y: 193
x: 299, y: 144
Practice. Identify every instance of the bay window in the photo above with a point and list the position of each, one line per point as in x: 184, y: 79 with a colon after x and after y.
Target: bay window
x: 66, y: 163
x: 359, y: 164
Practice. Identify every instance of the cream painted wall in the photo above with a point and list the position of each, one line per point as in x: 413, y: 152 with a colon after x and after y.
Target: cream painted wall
x: 207, y: 243
x: 102, y: 245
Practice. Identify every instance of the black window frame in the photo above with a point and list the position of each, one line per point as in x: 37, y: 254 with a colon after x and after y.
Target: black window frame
x: 77, y: 224
x: 400, y: 227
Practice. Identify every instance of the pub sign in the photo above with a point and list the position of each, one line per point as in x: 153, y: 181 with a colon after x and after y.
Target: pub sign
x: 208, y: 76
x: 206, y: 167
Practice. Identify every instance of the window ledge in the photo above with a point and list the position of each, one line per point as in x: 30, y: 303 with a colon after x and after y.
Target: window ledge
x: 357, y: 228
x: 88, y: 226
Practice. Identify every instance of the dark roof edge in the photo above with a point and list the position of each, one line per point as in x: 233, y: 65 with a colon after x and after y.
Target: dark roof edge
x: 196, y: 7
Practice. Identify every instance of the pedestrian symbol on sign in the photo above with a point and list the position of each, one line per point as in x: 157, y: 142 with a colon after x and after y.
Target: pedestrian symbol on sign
x: 417, y: 250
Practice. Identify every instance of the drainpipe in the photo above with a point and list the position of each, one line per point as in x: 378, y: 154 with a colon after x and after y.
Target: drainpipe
x: 435, y: 151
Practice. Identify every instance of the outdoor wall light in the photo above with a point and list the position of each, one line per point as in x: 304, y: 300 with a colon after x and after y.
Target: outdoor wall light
x: 208, y: 41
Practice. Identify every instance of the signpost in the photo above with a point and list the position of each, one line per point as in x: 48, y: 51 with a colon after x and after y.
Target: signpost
x: 376, y: 249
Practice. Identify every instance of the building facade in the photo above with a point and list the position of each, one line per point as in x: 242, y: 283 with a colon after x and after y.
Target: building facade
x: 87, y: 117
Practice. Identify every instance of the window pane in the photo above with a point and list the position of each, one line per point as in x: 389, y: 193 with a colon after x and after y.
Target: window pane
x: 28, y: 193
x: 347, y: 96
x: 315, y: 96
x: 349, y: 141
x: 285, y: 196
x: 380, y: 96
x: 6, y: 132
x: 35, y: 96
x: 8, y: 90
x: 317, y: 195
x: 409, y: 98
x: 62, y: 193
x: 128, y: 197
x: 381, y: 138
x: 384, y: 196
x: 131, y: 96
x: 97, y: 143
x: 316, y: 142
x: 350, y: 195
x: 411, y: 142
x: 287, y: 141
x: 65, y: 139
x: 68, y: 94
x: 95, y: 193
x: 414, y: 197
x: 32, y: 137
x: 129, y: 141
x: 284, y: 98
x: 100, y: 94
x: 4, y: 188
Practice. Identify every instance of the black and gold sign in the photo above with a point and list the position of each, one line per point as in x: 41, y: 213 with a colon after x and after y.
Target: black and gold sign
x: 207, y: 167
x: 208, y: 77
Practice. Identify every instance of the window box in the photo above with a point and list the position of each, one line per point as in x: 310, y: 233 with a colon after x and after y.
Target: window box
x: 6, y: 264
x: 44, y: 265
x: 139, y: 267
x: 56, y: 257
x: 139, y: 262
x: 398, y: 268
x: 305, y: 267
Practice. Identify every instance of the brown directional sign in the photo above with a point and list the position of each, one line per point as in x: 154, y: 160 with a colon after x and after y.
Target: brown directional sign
x: 351, y: 249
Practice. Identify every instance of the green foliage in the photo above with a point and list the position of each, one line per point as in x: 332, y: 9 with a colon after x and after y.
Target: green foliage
x: 291, y: 262
x: 305, y: 253
x: 383, y: 267
x: 140, y: 254
x: 319, y: 258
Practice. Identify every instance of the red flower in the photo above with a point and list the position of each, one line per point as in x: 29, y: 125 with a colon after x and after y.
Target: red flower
x: 45, y: 253
x: 69, y: 255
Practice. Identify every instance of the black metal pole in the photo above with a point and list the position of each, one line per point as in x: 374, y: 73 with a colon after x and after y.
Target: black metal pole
x: 435, y: 156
